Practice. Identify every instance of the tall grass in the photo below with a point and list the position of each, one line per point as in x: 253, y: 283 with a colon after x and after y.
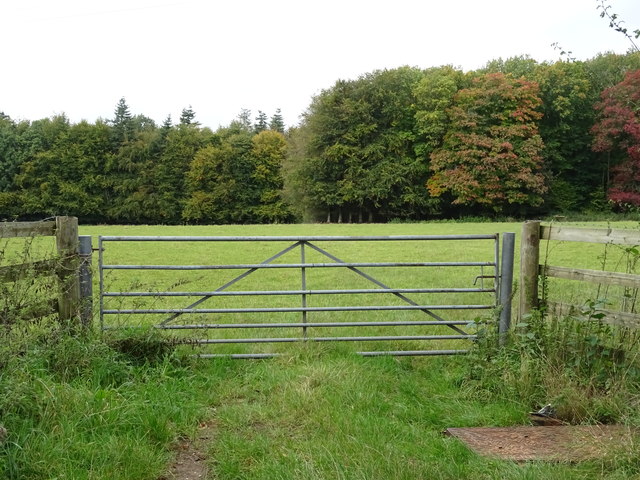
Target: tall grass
x: 78, y: 409
x: 588, y: 369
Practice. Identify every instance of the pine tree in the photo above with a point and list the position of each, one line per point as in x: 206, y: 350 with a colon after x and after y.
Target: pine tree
x: 261, y: 122
x: 244, y: 119
x: 167, y: 124
x: 122, y: 123
x: 277, y: 122
x: 188, y: 116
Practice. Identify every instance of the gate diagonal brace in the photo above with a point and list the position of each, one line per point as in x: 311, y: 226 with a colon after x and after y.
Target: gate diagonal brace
x: 326, y: 254
x: 382, y: 285
x: 234, y: 280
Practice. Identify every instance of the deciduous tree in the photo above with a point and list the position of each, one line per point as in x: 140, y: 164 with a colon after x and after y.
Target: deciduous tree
x: 269, y: 151
x: 617, y: 133
x: 573, y: 172
x: 491, y: 156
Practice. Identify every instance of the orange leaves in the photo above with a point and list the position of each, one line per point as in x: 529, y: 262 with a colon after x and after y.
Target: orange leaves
x: 492, y: 152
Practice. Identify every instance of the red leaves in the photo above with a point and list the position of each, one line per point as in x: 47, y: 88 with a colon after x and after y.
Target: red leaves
x: 618, y: 131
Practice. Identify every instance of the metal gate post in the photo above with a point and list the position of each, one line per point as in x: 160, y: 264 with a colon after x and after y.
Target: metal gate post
x: 506, y: 284
x: 303, y: 271
x: 86, y: 281
x: 101, y: 280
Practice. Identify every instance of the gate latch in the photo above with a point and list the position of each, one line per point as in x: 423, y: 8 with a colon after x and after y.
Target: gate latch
x: 482, y: 276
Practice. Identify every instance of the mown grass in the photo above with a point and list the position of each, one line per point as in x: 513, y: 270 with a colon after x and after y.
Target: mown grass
x: 112, y: 406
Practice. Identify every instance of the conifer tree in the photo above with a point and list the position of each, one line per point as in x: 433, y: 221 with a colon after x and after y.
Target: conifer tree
x: 187, y: 117
x: 122, y: 123
x: 277, y: 122
x: 261, y: 122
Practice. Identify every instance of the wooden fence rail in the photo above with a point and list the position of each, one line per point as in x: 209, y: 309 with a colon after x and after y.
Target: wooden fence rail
x: 66, y: 268
x: 531, y: 270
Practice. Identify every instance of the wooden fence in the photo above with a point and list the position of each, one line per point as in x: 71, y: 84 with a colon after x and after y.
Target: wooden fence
x: 531, y: 270
x: 69, y: 268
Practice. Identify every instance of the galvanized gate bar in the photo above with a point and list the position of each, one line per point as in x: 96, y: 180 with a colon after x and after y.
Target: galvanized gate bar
x: 101, y: 280
x: 298, y: 238
x: 216, y: 341
x: 297, y: 292
x: 413, y: 353
x: 391, y: 353
x: 303, y: 275
x: 213, y: 326
x: 367, y: 308
x: 258, y: 266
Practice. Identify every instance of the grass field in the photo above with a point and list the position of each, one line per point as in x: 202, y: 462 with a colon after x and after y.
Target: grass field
x: 84, y: 409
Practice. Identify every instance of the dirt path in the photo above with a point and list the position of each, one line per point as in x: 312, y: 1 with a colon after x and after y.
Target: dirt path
x: 190, y: 462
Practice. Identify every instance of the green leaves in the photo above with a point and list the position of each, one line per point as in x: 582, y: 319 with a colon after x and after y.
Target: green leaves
x: 238, y: 179
x: 363, y: 156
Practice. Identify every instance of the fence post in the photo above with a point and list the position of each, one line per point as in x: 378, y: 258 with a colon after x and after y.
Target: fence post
x: 506, y: 284
x: 86, y: 281
x: 69, y: 285
x: 529, y: 266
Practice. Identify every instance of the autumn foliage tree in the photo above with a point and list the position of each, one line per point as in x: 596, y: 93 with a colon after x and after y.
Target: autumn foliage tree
x: 491, y: 158
x: 617, y: 133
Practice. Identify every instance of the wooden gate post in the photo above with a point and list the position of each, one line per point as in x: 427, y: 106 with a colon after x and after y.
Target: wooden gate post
x: 69, y: 284
x: 529, y: 264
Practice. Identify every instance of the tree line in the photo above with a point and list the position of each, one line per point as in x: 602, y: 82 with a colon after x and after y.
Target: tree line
x: 516, y: 137
x: 130, y: 170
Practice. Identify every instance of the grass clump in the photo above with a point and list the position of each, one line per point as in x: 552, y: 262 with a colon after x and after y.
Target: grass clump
x: 144, y: 346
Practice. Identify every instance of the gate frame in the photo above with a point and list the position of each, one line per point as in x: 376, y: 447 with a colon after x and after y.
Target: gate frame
x: 502, y: 289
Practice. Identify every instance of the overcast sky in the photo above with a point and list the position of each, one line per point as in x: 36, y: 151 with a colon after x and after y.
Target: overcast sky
x: 80, y: 57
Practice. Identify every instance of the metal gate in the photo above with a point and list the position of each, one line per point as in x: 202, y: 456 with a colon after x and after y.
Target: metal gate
x: 302, y: 292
